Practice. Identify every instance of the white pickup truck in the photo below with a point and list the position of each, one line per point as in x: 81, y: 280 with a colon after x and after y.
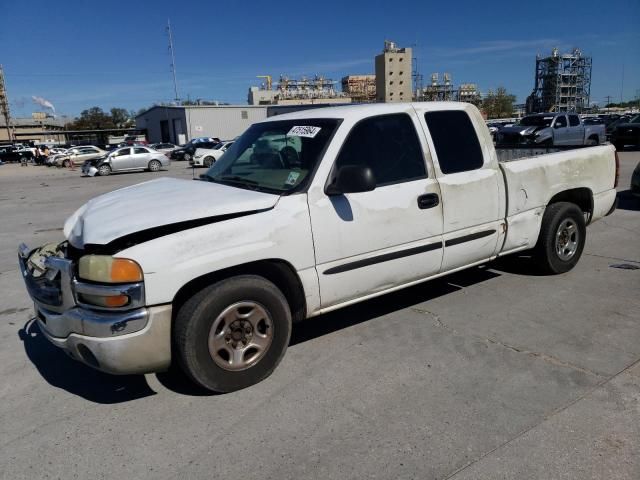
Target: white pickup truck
x: 306, y: 213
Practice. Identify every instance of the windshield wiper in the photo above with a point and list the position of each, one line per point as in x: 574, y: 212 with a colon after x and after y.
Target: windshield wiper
x: 237, y: 179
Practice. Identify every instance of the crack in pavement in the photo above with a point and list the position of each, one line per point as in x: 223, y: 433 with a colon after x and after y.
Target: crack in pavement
x: 611, y: 258
x: 541, y: 355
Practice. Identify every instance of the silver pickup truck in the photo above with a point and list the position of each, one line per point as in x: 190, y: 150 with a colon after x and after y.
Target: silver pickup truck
x: 551, y: 129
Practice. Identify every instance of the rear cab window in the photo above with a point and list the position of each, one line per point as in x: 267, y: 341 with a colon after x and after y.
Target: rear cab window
x: 455, y: 141
x: 574, y: 120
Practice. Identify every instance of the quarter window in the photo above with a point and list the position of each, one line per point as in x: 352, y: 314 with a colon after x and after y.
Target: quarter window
x: 389, y: 145
x: 455, y: 141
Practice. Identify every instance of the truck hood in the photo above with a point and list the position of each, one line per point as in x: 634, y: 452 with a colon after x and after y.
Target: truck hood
x: 168, y: 203
x: 521, y: 129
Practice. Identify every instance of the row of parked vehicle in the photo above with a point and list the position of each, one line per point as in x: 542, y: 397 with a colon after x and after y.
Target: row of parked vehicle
x: 568, y: 129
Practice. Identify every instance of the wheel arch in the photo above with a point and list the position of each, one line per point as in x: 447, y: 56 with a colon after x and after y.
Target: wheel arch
x: 582, y: 197
x: 280, y: 272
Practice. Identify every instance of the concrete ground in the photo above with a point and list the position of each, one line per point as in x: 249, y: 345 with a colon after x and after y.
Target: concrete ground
x: 487, y: 374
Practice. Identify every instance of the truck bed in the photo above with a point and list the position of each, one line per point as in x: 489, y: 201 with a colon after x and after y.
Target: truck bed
x: 508, y: 153
x: 534, y: 175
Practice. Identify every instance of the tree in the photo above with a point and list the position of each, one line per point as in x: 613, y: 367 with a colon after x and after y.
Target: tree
x: 120, y: 117
x: 93, y: 118
x: 498, y: 104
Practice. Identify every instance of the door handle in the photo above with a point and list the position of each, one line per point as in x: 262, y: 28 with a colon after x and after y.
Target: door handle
x: 428, y: 200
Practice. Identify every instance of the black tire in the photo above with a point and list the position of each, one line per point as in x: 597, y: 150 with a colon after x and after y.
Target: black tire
x: 186, y: 157
x: 66, y: 164
x: 104, y: 170
x: 552, y: 254
x: 592, y: 141
x: 196, y: 318
x: 155, y: 166
x: 208, y: 161
x: 619, y: 146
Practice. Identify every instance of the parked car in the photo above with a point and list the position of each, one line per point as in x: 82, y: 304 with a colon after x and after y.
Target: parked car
x: 77, y: 156
x: 635, y: 181
x: 205, y: 157
x: 165, y: 148
x: 306, y: 213
x: 13, y: 153
x: 557, y: 129
x: 627, y: 133
x: 611, y: 126
x: 186, y: 151
x: 126, y: 159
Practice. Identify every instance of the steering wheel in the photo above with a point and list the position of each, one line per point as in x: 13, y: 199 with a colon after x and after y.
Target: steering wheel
x: 289, y: 157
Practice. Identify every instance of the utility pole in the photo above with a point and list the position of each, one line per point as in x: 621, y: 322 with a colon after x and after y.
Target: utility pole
x: 622, y: 84
x: 608, y: 97
x: 173, y: 61
x: 4, y: 106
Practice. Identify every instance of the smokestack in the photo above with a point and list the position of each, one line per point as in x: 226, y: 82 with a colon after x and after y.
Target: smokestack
x: 43, y: 103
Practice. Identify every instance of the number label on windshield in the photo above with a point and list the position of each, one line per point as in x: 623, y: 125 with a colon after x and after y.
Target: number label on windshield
x: 304, y: 131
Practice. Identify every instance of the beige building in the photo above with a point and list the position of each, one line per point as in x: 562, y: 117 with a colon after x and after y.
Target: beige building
x: 393, y: 74
x: 40, y: 129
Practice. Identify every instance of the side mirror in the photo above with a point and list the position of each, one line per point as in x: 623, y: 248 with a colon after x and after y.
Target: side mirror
x: 352, y: 179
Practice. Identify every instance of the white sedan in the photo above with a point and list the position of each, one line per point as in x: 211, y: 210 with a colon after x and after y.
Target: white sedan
x: 205, y: 157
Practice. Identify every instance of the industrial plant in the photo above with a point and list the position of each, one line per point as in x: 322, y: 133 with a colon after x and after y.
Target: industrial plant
x: 562, y: 83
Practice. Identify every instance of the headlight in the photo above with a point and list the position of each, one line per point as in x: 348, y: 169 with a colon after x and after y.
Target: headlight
x: 107, y: 269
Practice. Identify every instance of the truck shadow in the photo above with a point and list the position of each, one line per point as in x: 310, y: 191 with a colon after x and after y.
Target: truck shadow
x: 389, y: 303
x: 63, y: 372
x: 626, y: 201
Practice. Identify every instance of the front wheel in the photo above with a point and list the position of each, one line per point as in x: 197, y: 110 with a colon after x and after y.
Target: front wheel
x: 186, y: 157
x: 208, y: 162
x: 562, y: 238
x: 233, y: 333
x: 66, y: 164
x: 104, y: 170
x: 155, y: 166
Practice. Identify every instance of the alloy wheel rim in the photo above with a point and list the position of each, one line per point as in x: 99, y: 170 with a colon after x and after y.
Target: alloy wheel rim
x: 567, y: 237
x: 240, y: 336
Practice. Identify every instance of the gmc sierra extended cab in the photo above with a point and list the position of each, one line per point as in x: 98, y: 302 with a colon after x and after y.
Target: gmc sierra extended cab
x: 556, y: 129
x: 306, y: 213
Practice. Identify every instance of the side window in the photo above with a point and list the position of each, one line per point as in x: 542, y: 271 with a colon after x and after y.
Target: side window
x: 389, y: 145
x: 574, y: 120
x: 561, y: 121
x: 139, y: 150
x: 455, y: 141
x: 122, y: 152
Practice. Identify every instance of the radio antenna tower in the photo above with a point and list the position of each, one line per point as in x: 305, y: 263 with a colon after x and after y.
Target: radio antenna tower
x: 4, y: 105
x: 173, y: 62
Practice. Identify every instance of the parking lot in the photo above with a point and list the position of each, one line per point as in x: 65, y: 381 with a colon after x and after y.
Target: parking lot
x: 493, y: 372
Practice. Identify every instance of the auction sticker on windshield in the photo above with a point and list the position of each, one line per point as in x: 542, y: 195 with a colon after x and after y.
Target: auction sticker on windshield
x: 304, y: 131
x: 293, y: 176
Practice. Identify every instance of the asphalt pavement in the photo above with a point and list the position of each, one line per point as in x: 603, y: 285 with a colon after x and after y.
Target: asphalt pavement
x: 490, y: 373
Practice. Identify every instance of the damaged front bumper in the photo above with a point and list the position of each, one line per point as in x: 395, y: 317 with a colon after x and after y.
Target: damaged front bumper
x: 132, y: 339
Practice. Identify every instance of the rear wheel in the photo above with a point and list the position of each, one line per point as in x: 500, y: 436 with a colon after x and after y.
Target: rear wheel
x: 592, y: 141
x: 208, y: 161
x: 562, y: 238
x: 154, y: 166
x: 186, y: 157
x: 104, y: 170
x: 233, y: 333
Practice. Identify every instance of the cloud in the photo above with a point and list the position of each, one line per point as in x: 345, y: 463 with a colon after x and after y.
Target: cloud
x: 496, y: 46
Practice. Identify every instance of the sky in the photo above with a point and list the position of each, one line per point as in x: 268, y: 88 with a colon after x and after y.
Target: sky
x: 80, y: 54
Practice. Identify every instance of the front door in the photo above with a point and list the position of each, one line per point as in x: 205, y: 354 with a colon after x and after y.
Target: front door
x: 121, y: 159
x: 561, y: 135
x: 374, y: 241
x: 471, y: 186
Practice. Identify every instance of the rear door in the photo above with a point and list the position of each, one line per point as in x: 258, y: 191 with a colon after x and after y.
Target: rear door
x: 373, y: 241
x: 471, y: 186
x: 141, y: 157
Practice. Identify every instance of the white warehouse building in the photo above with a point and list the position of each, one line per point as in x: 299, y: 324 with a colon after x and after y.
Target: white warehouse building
x: 180, y: 124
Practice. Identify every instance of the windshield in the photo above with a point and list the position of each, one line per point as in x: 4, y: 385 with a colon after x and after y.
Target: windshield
x: 275, y: 157
x: 537, y: 121
x: 635, y: 119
